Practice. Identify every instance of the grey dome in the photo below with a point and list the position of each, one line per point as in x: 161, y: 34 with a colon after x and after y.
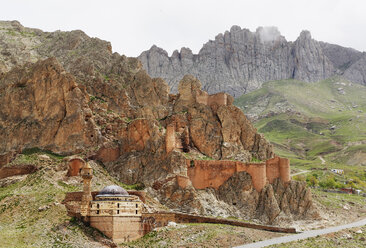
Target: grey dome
x: 113, y: 190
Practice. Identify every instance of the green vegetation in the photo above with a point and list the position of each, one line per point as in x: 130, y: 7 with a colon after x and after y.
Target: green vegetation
x: 31, y: 209
x: 306, y: 121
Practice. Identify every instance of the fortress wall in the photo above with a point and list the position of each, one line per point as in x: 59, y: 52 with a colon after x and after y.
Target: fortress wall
x: 220, y: 99
x: 213, y: 173
x: 272, y: 169
x: 240, y: 166
x: 170, y: 138
x: 258, y: 173
x: 285, y: 170
x: 210, y: 173
x: 202, y: 98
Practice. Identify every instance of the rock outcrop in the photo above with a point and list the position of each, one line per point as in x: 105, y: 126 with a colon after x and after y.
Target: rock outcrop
x: 239, y: 61
x: 42, y: 106
x: 357, y: 71
x: 89, y: 101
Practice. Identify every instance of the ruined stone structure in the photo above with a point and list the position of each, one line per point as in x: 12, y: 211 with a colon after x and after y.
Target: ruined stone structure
x: 113, y: 211
x: 74, y: 166
x: 213, y: 173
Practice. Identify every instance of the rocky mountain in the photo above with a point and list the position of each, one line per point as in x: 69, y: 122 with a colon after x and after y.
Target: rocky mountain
x: 239, y: 61
x: 67, y: 93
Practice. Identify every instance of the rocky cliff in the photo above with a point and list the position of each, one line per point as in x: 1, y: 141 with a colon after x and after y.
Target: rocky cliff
x: 90, y: 101
x: 239, y: 61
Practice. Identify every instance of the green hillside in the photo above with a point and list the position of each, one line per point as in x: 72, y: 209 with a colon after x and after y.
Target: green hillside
x: 308, y: 122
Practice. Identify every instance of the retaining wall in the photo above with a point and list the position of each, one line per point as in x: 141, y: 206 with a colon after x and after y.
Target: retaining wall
x: 163, y: 218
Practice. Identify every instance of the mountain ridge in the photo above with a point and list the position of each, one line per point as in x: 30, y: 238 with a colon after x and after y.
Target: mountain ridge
x: 239, y: 61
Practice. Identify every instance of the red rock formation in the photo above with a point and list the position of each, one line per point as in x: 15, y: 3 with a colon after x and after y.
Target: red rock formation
x: 42, y: 106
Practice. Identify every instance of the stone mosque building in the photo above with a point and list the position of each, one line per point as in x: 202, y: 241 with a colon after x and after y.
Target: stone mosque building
x: 113, y: 211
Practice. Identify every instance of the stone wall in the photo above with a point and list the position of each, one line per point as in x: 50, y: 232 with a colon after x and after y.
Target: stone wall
x: 278, y: 168
x: 209, y: 173
x: 163, y: 218
x: 119, y: 229
x: 170, y: 143
x: 219, y: 99
x: 17, y: 170
x: 213, y: 173
x: 258, y: 173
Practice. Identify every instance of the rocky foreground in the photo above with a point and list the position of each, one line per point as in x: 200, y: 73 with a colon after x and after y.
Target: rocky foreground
x: 86, y: 100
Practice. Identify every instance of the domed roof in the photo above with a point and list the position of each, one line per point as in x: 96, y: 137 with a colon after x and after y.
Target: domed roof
x: 114, y: 190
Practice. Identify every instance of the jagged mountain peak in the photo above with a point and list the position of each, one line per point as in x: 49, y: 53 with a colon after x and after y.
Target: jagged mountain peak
x: 239, y: 61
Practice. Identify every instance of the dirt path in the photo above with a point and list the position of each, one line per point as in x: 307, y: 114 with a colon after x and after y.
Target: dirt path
x: 301, y: 172
x: 322, y: 159
x: 304, y: 235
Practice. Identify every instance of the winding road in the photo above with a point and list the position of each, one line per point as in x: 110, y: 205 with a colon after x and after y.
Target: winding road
x: 301, y: 172
x: 304, y: 235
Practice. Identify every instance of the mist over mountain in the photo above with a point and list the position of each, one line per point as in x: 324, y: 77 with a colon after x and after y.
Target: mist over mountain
x: 239, y: 61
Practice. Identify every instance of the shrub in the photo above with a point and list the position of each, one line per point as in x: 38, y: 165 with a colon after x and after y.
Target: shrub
x: 312, y: 180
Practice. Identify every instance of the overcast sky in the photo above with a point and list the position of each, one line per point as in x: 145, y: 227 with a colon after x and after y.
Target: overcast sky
x: 135, y: 25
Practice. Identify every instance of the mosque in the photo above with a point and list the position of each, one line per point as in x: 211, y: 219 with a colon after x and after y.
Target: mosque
x: 112, y: 211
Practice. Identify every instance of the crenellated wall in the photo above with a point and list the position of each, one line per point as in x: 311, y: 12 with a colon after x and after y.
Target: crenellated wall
x: 213, y: 173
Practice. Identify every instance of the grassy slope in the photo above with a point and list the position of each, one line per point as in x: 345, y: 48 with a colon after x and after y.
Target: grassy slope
x: 24, y: 224
x: 296, y: 117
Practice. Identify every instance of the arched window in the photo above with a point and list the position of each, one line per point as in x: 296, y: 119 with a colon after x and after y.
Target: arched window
x: 117, y: 211
x: 97, y: 211
x: 117, y: 205
x: 98, y: 206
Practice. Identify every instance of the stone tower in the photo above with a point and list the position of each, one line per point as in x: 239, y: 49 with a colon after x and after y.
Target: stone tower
x: 87, y: 175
